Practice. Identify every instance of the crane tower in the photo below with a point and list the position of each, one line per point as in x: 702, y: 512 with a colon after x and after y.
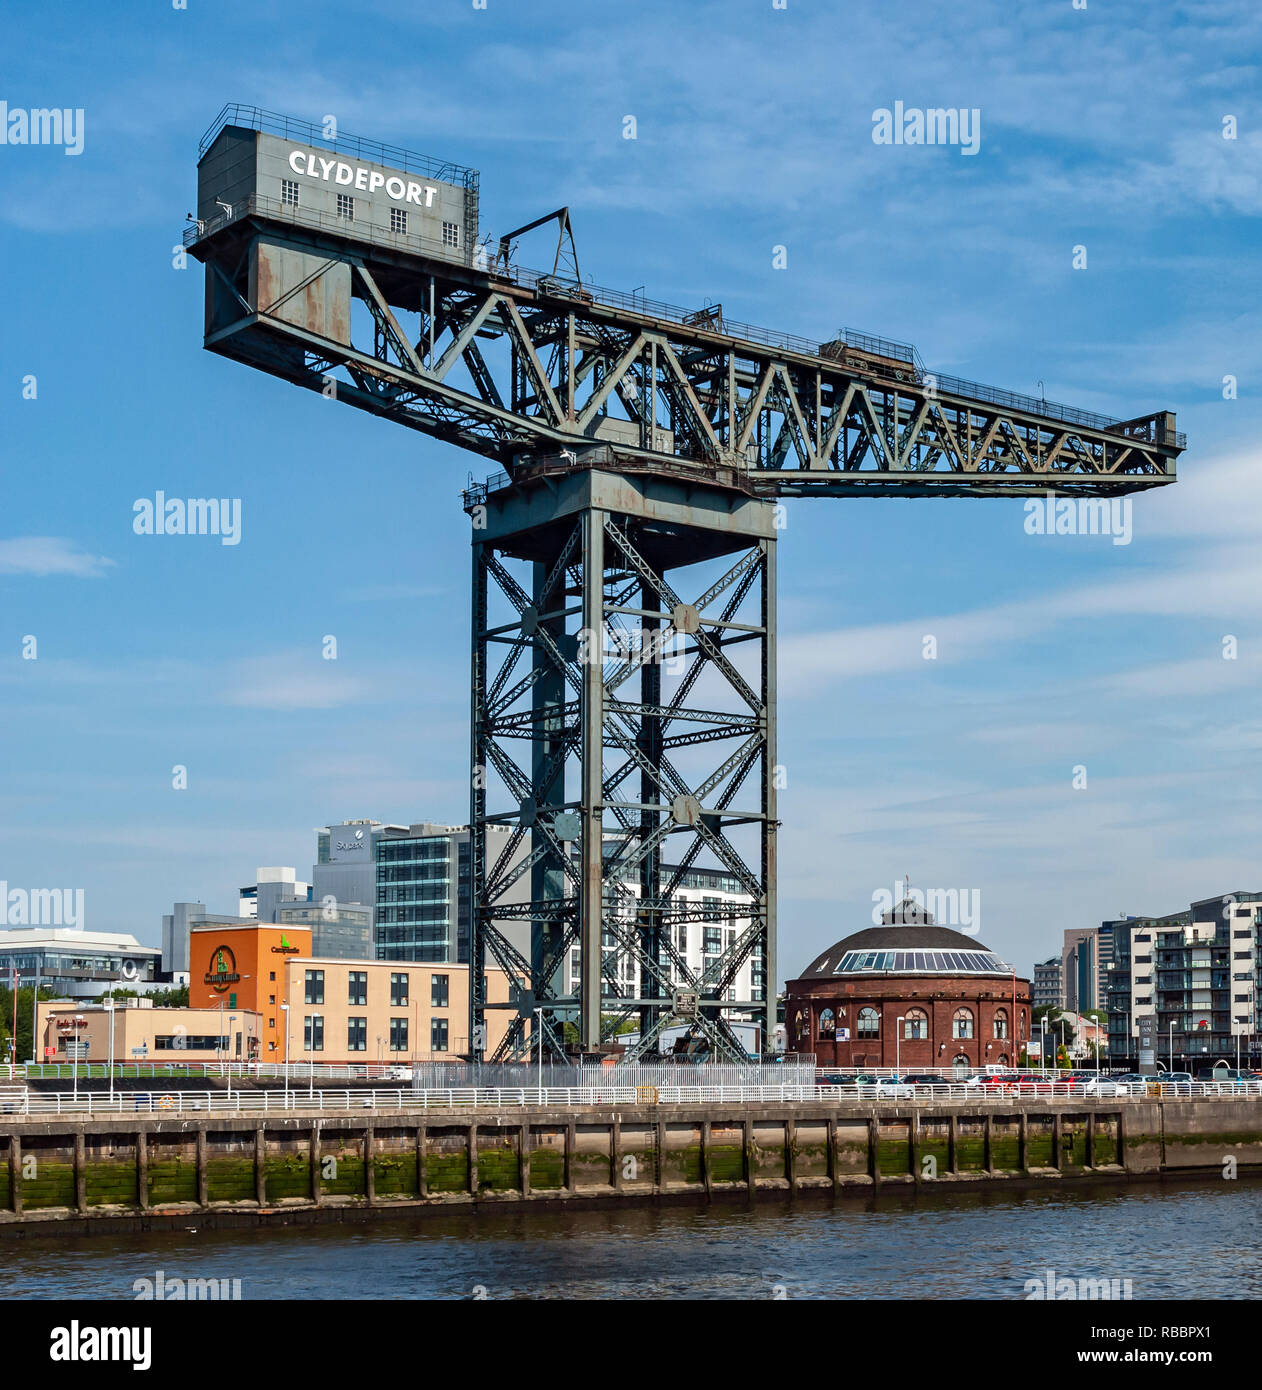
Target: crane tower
x: 623, y: 700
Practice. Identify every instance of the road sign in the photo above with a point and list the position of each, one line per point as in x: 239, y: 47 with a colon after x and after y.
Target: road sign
x: 140, y: 1051
x: 76, y: 1051
x: 1147, y: 1044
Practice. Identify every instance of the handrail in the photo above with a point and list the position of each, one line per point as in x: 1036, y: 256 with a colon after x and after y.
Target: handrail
x: 291, y: 128
x: 181, y: 1103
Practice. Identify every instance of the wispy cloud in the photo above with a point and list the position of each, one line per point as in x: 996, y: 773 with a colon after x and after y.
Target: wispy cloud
x: 42, y: 556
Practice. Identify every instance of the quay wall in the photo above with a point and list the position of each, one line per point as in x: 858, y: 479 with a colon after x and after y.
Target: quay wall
x: 117, y: 1172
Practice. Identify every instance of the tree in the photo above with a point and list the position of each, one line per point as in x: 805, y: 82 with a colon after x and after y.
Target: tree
x: 26, y: 1007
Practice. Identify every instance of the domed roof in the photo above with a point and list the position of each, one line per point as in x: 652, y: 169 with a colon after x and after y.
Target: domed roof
x: 908, y: 942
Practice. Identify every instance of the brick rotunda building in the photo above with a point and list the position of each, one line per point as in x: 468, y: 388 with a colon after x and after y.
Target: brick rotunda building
x: 908, y: 994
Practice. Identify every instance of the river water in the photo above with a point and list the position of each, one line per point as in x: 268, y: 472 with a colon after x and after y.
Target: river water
x: 1169, y: 1240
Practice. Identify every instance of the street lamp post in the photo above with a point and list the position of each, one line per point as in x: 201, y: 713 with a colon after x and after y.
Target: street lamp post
x: 898, y: 1045
x: 285, y: 1010
x: 539, y: 1045
x: 78, y: 1043
x: 111, y: 1005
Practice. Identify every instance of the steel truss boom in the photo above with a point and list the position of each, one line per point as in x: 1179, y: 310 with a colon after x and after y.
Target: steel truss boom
x: 513, y: 364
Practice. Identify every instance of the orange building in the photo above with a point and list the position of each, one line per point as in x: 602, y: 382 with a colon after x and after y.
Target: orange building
x: 244, y: 968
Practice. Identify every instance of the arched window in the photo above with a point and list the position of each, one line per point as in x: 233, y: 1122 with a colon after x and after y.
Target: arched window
x: 827, y: 1024
x: 915, y: 1024
x: 1022, y: 1023
x: 961, y: 1062
x: 962, y: 1024
x: 1001, y: 1023
x: 869, y: 1023
x: 1002, y: 1059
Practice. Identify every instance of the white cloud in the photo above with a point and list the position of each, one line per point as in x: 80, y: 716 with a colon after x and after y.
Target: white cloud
x: 42, y: 556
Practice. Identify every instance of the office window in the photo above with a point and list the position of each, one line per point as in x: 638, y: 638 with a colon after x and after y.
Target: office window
x: 271, y: 975
x: 357, y: 988
x: 398, y: 1035
x: 398, y: 220
x: 289, y: 192
x: 315, y: 987
x: 451, y: 234
x: 346, y: 206
x: 357, y: 1035
x: 271, y: 1023
x: 398, y: 990
x: 313, y: 1033
x: 271, y: 999
x: 438, y: 991
x: 438, y: 1035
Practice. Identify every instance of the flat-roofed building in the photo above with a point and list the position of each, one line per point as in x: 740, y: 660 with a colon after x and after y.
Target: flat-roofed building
x: 142, y: 1033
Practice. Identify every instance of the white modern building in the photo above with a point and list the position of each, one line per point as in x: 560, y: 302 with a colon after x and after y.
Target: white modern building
x: 77, y: 964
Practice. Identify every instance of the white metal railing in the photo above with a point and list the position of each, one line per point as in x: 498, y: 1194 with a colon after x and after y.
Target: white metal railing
x: 266, y: 1102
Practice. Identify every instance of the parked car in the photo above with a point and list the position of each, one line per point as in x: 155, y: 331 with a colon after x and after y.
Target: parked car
x: 1110, y: 1086
x: 1225, y: 1076
x: 926, y: 1079
x: 893, y: 1088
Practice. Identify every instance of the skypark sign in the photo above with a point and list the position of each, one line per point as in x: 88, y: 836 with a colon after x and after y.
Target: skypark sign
x: 359, y: 176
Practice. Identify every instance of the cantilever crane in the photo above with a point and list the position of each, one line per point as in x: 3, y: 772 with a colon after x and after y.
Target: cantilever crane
x: 636, y: 440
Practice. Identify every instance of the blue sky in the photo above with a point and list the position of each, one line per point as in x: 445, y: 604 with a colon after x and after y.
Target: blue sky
x: 1101, y: 128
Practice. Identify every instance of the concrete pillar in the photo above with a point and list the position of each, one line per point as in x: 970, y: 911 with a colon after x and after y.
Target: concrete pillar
x: 80, y: 1175
x: 15, y: 1174
x: 1056, y: 1141
x: 988, y: 1134
x: 203, y: 1181
x: 313, y: 1150
x: 706, y: 1175
x: 874, y: 1152
x: 1121, y: 1135
x: 913, y: 1146
x: 751, y: 1159
x: 1023, y: 1142
x: 615, y: 1151
x: 834, y: 1167
x: 953, y: 1143
x: 422, y: 1185
x: 523, y: 1159
x: 260, y: 1166
x: 471, y: 1139
x: 370, y: 1172
x: 142, y: 1169
x: 790, y: 1157
x: 661, y: 1155
x: 571, y: 1150
x: 1089, y: 1156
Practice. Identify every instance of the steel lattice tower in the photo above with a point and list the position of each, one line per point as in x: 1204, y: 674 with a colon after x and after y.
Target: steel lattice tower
x: 642, y: 446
